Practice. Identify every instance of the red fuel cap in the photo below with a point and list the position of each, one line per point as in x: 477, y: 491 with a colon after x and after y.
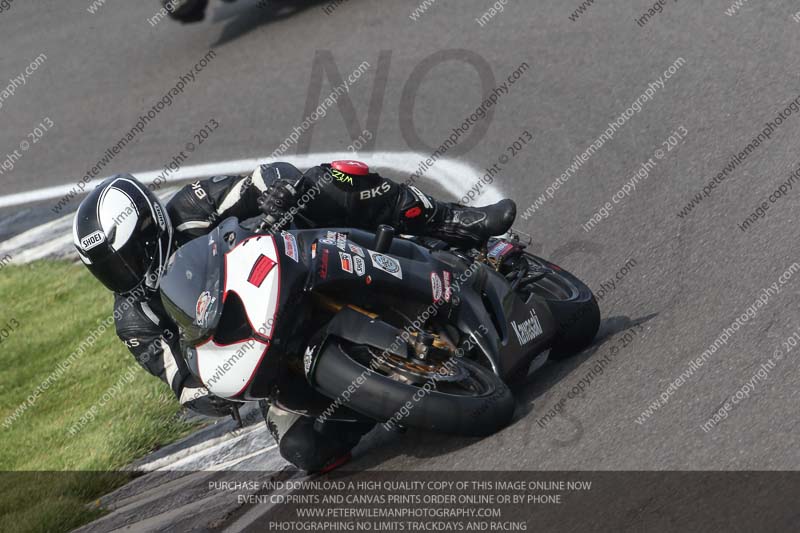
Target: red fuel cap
x: 354, y: 168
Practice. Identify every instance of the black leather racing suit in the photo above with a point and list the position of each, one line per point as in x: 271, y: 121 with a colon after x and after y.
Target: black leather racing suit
x: 362, y: 201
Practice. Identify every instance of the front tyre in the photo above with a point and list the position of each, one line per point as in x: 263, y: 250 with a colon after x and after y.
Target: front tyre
x: 467, y: 399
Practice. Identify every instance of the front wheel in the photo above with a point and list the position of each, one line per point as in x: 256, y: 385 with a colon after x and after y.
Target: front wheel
x: 458, y: 396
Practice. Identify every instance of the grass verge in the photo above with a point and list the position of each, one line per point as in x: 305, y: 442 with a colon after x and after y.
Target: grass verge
x: 51, y: 474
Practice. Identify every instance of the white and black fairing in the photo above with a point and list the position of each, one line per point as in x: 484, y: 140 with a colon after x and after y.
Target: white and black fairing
x: 229, y: 292
x: 242, y: 301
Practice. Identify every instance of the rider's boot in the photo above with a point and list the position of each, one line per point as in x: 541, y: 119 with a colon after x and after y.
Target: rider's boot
x: 456, y: 224
x: 472, y: 226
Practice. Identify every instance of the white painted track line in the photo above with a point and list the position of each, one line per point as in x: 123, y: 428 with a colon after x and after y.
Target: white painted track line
x: 453, y: 174
x: 54, y: 239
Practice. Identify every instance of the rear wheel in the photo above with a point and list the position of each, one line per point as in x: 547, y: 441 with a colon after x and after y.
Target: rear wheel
x: 455, y: 395
x: 570, y: 300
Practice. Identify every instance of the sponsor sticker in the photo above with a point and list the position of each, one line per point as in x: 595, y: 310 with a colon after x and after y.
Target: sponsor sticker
x: 378, y: 191
x: 261, y: 269
x: 422, y: 197
x: 201, y: 309
x: 323, y: 263
x: 95, y: 238
x: 347, y: 262
x: 500, y: 249
x: 357, y: 250
x: 162, y: 222
x: 341, y: 241
x: 290, y: 247
x: 448, y: 288
x: 359, y: 265
x: 436, y: 287
x: 199, y: 191
x: 337, y: 239
x: 387, y: 264
x: 308, y: 358
x: 528, y: 330
x: 341, y: 177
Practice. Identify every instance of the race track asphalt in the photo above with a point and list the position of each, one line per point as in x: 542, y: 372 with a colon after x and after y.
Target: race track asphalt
x: 691, y: 276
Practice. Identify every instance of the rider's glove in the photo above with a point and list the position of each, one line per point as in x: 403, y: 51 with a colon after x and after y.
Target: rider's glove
x: 277, y: 200
x: 199, y: 400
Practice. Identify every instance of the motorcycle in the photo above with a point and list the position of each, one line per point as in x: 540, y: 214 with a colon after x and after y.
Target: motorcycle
x: 405, y: 331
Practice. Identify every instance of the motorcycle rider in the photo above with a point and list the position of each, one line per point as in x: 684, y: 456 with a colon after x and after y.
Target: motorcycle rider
x: 125, y: 236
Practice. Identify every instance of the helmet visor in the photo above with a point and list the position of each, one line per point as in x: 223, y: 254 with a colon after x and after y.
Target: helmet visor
x: 125, y: 270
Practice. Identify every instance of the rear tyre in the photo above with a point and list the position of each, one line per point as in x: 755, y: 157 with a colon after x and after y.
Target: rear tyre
x: 471, y: 401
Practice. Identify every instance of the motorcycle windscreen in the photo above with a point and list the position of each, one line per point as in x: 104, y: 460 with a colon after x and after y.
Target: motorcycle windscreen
x: 191, y: 288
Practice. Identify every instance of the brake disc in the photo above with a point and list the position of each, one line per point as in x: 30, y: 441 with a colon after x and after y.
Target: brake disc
x: 417, y: 371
